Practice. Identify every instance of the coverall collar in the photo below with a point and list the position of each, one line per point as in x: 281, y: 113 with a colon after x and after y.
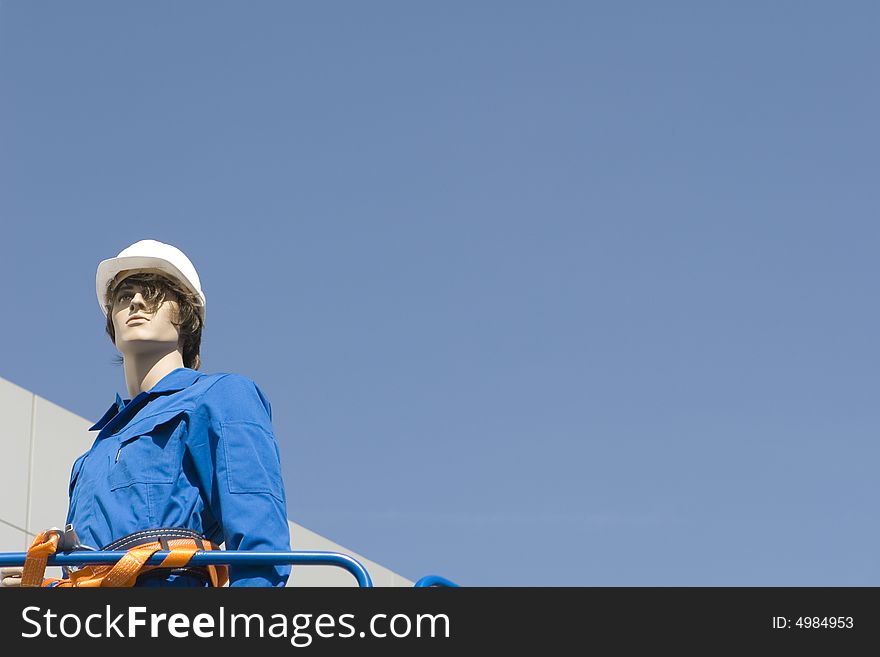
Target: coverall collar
x: 175, y: 380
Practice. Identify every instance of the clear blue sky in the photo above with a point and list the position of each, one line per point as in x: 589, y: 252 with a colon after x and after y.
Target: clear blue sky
x: 542, y: 293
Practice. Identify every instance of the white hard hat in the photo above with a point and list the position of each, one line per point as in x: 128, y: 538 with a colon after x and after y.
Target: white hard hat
x: 149, y: 254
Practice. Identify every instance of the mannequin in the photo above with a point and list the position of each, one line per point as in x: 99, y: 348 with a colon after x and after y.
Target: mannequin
x: 189, y: 451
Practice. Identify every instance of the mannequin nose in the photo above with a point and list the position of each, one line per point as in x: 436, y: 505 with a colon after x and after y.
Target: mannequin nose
x: 137, y: 301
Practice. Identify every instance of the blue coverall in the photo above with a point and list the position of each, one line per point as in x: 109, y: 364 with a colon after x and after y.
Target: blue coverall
x: 196, y: 451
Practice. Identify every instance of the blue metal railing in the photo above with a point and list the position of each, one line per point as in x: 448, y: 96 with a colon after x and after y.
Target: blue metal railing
x: 208, y: 558
x: 434, y: 580
x: 229, y: 557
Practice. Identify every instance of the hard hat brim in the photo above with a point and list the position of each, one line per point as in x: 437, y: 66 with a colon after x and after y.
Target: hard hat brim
x: 110, y: 268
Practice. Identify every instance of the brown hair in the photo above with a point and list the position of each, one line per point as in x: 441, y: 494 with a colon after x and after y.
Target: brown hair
x: 155, y: 288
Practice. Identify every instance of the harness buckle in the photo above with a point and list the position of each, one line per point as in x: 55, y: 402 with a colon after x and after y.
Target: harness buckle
x: 68, y: 541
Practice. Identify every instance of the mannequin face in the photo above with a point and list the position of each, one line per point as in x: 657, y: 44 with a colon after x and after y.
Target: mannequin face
x: 154, y: 333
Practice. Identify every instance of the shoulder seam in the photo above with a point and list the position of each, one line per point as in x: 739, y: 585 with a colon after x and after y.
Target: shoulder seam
x: 199, y: 407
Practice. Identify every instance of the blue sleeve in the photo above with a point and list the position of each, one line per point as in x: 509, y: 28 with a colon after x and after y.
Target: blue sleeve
x: 237, y: 458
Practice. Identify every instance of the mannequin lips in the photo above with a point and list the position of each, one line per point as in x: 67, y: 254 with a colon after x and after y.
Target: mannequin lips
x: 136, y: 318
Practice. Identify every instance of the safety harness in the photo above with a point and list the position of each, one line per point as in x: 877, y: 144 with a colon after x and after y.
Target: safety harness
x: 181, y: 544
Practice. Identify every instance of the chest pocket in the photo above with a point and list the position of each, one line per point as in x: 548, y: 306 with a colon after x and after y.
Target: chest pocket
x: 149, y: 456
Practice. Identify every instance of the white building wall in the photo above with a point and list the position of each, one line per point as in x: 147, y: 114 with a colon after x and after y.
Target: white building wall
x: 48, y: 438
x: 16, y: 409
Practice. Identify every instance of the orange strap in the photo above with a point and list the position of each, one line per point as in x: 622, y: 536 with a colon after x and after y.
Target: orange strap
x: 42, y: 547
x: 123, y: 573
